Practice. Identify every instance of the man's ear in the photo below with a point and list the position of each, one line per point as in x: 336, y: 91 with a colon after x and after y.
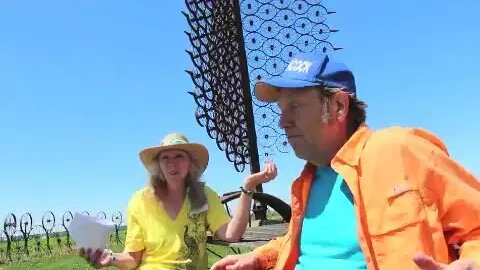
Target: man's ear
x: 341, y: 103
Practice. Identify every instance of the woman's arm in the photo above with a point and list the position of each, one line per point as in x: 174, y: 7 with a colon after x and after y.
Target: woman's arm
x: 134, y: 243
x: 234, y: 230
x: 127, y: 260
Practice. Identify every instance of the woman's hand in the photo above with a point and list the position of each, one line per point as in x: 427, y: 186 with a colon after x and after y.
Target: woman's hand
x: 264, y: 176
x: 97, y: 258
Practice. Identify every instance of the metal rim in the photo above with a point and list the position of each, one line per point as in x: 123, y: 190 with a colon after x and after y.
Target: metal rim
x: 67, y: 219
x: 117, y: 218
x: 10, y: 224
x: 48, y: 221
x: 101, y: 215
x: 26, y: 223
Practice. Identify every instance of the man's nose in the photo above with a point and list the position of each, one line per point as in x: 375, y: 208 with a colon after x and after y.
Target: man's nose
x: 284, y: 121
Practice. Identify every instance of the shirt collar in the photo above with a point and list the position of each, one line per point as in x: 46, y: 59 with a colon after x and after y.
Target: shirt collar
x: 351, y: 151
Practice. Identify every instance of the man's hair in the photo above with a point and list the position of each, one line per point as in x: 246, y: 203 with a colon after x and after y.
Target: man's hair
x: 357, y: 113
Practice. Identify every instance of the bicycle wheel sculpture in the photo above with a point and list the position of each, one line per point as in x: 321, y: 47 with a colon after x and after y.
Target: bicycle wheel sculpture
x: 9, y: 229
x: 101, y: 215
x: 48, y: 223
x: 37, y: 234
x: 117, y: 219
x: 66, y: 221
x: 233, y: 44
x: 26, y: 225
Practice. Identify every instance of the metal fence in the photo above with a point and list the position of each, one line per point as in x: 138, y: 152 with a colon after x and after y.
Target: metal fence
x: 23, y: 236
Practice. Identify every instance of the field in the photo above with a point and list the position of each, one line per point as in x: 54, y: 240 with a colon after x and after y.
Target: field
x: 57, y: 252
x: 63, y: 257
x: 58, y: 261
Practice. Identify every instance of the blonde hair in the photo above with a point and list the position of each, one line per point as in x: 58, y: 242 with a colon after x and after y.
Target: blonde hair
x: 194, y: 187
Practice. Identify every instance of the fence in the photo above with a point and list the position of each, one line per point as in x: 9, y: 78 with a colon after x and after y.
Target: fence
x: 23, y: 237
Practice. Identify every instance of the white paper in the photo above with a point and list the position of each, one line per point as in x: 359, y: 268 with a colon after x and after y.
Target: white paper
x: 90, y: 232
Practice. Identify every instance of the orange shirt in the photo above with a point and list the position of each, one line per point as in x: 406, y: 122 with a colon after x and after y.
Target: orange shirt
x: 409, y: 196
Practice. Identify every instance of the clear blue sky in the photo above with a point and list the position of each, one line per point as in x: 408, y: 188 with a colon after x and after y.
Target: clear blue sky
x: 84, y: 85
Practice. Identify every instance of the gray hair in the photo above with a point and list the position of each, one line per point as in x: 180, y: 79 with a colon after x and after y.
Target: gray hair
x: 357, y: 111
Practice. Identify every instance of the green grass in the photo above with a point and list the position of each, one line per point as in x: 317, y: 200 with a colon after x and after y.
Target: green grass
x: 52, y: 262
x: 63, y: 258
x: 66, y: 259
x: 60, y: 258
x: 58, y: 261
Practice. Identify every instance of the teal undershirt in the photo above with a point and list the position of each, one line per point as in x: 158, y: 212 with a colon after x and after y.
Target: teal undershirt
x: 329, y: 237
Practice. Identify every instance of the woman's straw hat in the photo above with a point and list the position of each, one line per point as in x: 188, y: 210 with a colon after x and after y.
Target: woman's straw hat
x: 176, y: 141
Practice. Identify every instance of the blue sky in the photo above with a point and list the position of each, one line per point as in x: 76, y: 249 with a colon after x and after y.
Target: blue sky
x: 84, y: 85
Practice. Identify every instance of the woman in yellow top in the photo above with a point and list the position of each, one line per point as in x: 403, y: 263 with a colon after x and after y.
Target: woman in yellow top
x: 167, y: 222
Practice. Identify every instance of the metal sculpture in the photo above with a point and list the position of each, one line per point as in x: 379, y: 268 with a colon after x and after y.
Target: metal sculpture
x: 36, y: 234
x: 66, y: 221
x: 24, y: 238
x: 48, y: 223
x: 16, y: 246
x: 3, y: 252
x: 10, y: 224
x: 57, y: 235
x: 117, y: 219
x: 26, y: 224
x: 101, y: 215
x: 233, y: 44
x: 9, y: 229
x: 274, y: 31
x: 220, y: 76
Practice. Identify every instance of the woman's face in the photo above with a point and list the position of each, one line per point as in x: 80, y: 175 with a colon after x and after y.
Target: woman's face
x: 175, y: 165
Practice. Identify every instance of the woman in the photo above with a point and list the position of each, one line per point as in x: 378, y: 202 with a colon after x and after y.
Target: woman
x: 167, y: 222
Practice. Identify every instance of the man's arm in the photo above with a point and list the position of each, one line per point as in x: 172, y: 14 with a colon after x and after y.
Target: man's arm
x: 262, y: 258
x: 267, y: 254
x: 455, y: 191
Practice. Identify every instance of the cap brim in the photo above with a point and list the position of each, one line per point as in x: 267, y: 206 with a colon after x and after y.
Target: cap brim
x: 198, y: 153
x: 268, y: 90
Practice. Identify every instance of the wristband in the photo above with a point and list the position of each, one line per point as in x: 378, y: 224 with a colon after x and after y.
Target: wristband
x: 112, y: 257
x: 248, y: 192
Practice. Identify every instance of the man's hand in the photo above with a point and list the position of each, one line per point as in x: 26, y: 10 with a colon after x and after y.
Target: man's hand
x: 236, y: 262
x: 425, y: 262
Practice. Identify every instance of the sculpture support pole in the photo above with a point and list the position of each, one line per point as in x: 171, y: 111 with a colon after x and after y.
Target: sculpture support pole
x: 259, y: 210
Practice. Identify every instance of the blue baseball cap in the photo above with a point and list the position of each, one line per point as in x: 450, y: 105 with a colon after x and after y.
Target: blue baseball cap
x: 307, y: 70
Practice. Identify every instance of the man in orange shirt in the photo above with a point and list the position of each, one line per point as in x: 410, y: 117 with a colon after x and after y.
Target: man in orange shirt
x: 388, y: 199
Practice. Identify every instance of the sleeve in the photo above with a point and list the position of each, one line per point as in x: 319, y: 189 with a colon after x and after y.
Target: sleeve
x: 267, y: 254
x: 455, y: 191
x: 216, y: 215
x: 134, y: 240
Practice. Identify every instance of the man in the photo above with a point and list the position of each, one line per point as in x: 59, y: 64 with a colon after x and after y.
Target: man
x: 390, y: 199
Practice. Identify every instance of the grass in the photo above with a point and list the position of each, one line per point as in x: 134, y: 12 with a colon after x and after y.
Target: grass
x: 63, y: 258
x: 58, y: 261
x: 52, y: 262
x: 66, y: 259
x: 60, y: 258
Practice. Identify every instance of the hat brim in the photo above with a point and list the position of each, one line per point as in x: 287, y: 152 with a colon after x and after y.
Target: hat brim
x: 198, y: 153
x: 268, y: 90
